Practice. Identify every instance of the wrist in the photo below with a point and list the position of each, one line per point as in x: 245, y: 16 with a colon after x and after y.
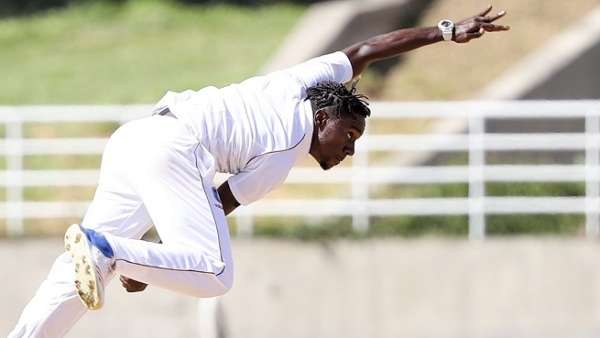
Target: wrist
x: 447, y: 29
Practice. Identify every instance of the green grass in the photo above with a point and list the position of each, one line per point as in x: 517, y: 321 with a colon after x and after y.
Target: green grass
x: 37, y: 162
x: 341, y: 227
x: 415, y: 226
x: 453, y: 226
x: 419, y: 190
x: 133, y: 53
x: 568, y: 224
x: 298, y: 228
x: 76, y: 130
x: 49, y: 194
x: 535, y: 189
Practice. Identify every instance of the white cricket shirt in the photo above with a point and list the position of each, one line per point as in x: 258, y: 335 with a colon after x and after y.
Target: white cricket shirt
x: 257, y: 129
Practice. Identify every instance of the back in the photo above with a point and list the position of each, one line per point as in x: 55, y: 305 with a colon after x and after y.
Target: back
x: 262, y: 114
x: 242, y: 123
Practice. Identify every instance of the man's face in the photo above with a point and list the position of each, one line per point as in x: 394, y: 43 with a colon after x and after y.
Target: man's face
x: 334, y: 137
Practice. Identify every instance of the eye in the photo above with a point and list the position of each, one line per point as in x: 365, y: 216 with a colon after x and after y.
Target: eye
x: 349, y: 136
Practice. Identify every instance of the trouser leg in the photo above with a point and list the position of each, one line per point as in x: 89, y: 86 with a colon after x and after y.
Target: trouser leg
x: 195, y: 257
x: 55, y: 307
x: 151, y: 168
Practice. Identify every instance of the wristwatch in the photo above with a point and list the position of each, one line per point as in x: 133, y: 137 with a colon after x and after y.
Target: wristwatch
x: 447, y: 28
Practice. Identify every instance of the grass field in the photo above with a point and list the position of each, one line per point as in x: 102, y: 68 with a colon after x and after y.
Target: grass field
x: 110, y: 54
x: 134, y: 53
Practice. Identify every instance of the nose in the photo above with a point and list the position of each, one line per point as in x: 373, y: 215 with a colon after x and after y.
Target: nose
x: 350, y: 149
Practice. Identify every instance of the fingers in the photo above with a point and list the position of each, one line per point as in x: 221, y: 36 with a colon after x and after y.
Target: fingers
x: 489, y: 19
x: 485, y: 11
x: 475, y: 35
x: 471, y: 36
x: 488, y: 27
x: 495, y: 17
x: 123, y: 280
x: 132, y: 285
x: 466, y: 37
x: 480, y: 27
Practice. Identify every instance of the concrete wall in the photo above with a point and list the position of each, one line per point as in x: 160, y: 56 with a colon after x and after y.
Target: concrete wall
x: 424, y: 288
x: 566, y: 67
x: 577, y: 80
x: 331, y: 26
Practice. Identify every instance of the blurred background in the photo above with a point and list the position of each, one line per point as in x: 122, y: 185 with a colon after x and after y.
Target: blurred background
x: 471, y: 208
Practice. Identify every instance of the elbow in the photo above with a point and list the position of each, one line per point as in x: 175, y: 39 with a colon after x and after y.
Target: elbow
x: 360, y: 56
x: 217, y: 286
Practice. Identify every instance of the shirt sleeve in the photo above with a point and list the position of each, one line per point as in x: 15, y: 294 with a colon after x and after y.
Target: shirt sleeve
x: 260, y: 176
x: 334, y: 67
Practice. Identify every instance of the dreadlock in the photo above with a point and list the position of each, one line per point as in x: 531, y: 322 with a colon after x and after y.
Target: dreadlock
x: 332, y: 94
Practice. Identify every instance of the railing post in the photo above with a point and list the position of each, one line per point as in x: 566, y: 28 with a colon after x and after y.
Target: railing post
x: 14, y: 186
x: 360, y: 186
x: 209, y: 325
x: 592, y: 188
x: 476, y: 177
x: 244, y: 218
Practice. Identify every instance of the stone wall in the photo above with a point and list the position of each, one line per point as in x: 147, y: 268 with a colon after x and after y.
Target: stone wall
x: 540, y: 287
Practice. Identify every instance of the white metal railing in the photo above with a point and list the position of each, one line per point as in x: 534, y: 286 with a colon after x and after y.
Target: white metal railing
x: 360, y: 175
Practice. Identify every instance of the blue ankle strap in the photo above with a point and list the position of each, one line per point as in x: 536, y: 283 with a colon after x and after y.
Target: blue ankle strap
x: 99, y: 241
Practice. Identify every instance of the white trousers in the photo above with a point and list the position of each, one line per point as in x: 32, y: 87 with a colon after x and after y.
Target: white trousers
x: 154, y: 172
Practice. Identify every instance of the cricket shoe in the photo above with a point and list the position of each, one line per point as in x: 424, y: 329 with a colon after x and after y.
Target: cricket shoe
x: 93, y: 259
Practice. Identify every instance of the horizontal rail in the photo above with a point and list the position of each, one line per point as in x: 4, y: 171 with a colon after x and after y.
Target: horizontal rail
x: 441, y: 174
x: 53, y: 146
x: 385, y: 110
x: 371, y: 175
x: 73, y: 113
x: 420, y: 206
x: 428, y: 142
x: 49, y: 178
x: 347, y: 207
x: 490, y: 142
x: 488, y: 109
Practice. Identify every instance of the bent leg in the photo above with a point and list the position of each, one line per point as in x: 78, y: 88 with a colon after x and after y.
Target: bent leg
x: 173, y: 179
x: 56, y: 307
x: 115, y: 209
x: 195, y: 257
x: 178, y: 269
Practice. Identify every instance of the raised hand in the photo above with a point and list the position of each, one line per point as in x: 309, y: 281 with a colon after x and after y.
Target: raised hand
x: 475, y: 26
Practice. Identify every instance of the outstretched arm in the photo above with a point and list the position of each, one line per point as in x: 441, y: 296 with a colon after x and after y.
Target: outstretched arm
x: 397, y: 42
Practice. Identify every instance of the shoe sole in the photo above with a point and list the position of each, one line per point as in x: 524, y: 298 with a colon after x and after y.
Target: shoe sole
x: 87, y: 282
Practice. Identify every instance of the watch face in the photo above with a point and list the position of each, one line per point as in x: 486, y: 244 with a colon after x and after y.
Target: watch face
x: 446, y: 23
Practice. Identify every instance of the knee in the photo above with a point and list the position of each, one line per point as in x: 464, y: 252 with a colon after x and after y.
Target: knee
x: 226, y: 280
x: 218, y: 285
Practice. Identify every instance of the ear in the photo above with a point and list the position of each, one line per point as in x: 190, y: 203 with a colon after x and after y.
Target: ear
x: 321, y: 118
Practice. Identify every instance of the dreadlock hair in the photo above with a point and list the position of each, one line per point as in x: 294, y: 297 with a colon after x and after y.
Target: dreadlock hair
x: 347, y: 102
